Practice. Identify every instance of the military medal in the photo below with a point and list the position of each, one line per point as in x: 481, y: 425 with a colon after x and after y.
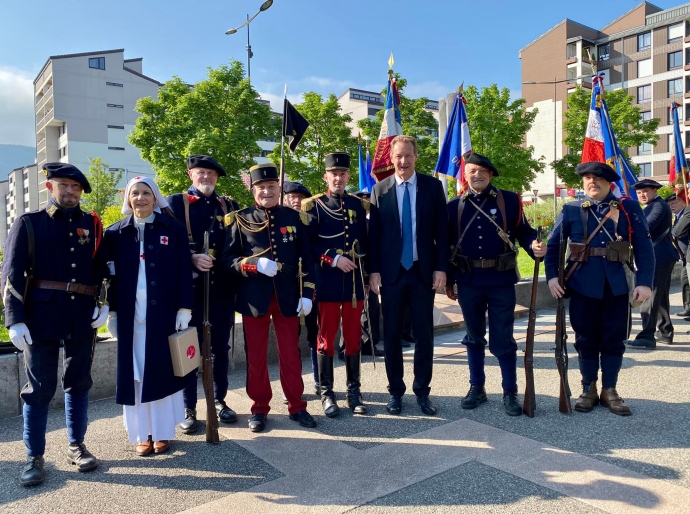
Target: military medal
x: 283, y: 230
x: 493, y: 213
x: 290, y: 230
x: 83, y: 236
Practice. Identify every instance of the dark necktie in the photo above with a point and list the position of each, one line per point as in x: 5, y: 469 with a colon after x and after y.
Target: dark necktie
x: 407, y: 258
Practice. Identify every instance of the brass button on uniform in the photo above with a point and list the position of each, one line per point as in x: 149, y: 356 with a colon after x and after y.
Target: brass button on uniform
x: 70, y: 234
x: 72, y: 297
x: 74, y: 265
x: 71, y: 249
x: 74, y: 280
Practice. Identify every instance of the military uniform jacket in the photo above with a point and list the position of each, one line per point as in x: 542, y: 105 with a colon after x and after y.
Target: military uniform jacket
x: 659, y: 220
x: 681, y: 229
x: 206, y: 214
x: 168, y: 289
x: 481, y: 239
x: 65, y: 251
x: 589, y: 278
x: 335, y: 223
x: 277, y: 234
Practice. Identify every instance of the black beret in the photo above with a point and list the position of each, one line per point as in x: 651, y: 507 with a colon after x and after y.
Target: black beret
x: 671, y: 197
x: 646, y: 183
x: 362, y: 194
x: 598, y: 169
x: 65, y: 170
x: 480, y: 160
x: 295, y: 187
x: 206, y: 162
x: 338, y: 161
x: 262, y: 172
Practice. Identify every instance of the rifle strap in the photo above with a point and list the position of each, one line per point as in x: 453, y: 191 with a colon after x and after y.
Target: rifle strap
x: 185, y: 200
x: 588, y: 240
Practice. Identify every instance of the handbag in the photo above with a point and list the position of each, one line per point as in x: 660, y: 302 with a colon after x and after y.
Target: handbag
x: 184, y: 351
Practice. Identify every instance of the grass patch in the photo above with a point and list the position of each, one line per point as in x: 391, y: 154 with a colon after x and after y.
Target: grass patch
x: 526, y: 265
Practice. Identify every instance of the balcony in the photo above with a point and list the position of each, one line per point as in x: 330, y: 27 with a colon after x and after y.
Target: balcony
x: 43, y: 160
x: 48, y: 116
x: 47, y: 95
x: 41, y: 145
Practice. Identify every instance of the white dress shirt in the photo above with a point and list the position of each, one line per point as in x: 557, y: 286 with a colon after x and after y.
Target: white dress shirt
x: 400, y: 192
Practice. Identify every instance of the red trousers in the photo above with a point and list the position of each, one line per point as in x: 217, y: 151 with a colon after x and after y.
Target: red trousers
x: 256, y: 348
x: 329, y: 323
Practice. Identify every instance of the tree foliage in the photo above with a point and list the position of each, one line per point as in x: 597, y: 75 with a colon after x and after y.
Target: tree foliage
x: 497, y: 129
x: 626, y: 118
x: 104, y: 190
x: 416, y: 121
x: 219, y: 116
x: 327, y: 132
x: 111, y: 214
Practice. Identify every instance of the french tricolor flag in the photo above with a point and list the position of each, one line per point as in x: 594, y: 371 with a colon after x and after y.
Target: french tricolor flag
x: 456, y: 144
x: 391, y: 127
x: 593, y: 150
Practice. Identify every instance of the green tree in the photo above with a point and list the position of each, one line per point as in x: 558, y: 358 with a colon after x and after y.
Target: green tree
x: 104, y: 190
x: 628, y: 126
x: 327, y: 132
x: 111, y: 214
x: 497, y: 130
x: 416, y: 121
x: 219, y: 116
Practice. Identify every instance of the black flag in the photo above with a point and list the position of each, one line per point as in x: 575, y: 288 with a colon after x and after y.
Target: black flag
x: 294, y: 124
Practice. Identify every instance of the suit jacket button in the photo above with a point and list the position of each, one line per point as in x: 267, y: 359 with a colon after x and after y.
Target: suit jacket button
x: 153, y: 282
x: 153, y: 302
x: 152, y: 265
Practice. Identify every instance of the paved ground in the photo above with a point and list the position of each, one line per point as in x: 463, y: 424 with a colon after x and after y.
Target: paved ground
x: 478, y: 461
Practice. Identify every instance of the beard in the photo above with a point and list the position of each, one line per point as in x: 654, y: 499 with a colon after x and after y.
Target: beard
x: 205, y: 189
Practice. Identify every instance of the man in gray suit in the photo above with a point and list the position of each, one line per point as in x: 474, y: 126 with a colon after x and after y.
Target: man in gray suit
x: 408, y: 234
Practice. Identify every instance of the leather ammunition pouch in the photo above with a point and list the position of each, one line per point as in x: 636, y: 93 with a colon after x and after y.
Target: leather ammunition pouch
x: 579, y: 252
x: 618, y: 251
x: 462, y: 263
x: 506, y: 261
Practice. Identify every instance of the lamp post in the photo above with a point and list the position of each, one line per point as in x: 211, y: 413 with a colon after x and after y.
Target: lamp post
x: 250, y: 54
x: 555, y: 131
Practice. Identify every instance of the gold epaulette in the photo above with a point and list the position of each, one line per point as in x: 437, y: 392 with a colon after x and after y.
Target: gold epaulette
x: 308, y: 203
x: 366, y: 204
x: 229, y: 218
x: 304, y: 217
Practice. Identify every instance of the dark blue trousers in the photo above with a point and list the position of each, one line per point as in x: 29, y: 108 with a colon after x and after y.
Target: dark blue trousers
x: 41, y: 360
x: 222, y: 317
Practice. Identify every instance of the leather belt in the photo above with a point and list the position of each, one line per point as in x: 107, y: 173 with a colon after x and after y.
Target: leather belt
x: 69, y: 287
x: 598, y: 252
x: 484, y: 263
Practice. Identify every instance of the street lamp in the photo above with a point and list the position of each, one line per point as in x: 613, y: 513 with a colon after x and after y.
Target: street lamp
x: 555, y: 131
x: 250, y: 54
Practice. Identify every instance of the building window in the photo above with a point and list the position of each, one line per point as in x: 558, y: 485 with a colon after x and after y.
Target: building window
x: 371, y: 111
x: 571, y: 51
x: 116, y: 105
x: 97, y: 63
x: 603, y: 52
x: 26, y: 205
x: 675, y: 88
x: 644, y: 93
x: 645, y: 169
x: 26, y: 190
x: 116, y: 127
x: 675, y: 32
x: 116, y: 169
x: 113, y: 84
x: 644, y: 68
x: 675, y: 60
x: 644, y: 41
x: 115, y: 148
x: 644, y: 149
x: 687, y: 139
x: 680, y: 115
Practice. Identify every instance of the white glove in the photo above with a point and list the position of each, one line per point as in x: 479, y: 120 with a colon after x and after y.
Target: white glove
x: 112, y: 324
x: 267, y: 267
x: 20, y: 337
x: 100, y: 316
x: 184, y: 316
x: 304, y: 303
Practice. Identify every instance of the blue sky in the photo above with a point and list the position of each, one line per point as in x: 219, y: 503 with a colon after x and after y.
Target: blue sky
x: 312, y: 45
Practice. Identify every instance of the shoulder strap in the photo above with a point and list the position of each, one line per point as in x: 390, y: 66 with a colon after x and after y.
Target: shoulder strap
x: 461, y: 208
x: 98, y: 231
x: 185, y: 200
x: 31, y: 244
x: 584, y: 214
x: 502, y: 208
x: 223, y: 205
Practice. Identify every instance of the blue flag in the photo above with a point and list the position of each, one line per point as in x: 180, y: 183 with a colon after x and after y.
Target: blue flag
x: 366, y: 181
x: 456, y: 144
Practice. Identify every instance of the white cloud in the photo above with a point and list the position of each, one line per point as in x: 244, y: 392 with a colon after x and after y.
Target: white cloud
x: 17, y: 121
x: 277, y: 100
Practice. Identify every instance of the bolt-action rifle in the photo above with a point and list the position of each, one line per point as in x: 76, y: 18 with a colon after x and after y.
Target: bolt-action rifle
x: 561, y: 336
x: 207, y: 369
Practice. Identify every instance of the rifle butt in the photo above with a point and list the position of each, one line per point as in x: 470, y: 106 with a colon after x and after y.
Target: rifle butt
x: 564, y: 405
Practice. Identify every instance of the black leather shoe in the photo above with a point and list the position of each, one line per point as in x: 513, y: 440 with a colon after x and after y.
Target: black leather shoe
x: 304, y: 419
x: 427, y: 407
x: 683, y: 314
x: 317, y: 389
x: 257, y: 422
x: 394, y: 405
x: 510, y: 402
x: 330, y: 406
x: 78, y: 455
x: 190, y: 424
x: 33, y: 473
x: 475, y: 396
x: 225, y: 413
x: 647, y: 344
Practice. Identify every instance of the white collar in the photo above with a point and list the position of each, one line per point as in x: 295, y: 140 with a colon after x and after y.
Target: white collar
x: 412, y: 180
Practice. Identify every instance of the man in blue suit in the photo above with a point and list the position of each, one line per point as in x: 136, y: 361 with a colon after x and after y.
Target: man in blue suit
x: 483, y: 267
x: 655, y: 311
x: 596, y: 279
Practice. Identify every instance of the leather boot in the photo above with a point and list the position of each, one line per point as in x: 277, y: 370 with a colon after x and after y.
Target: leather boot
x: 190, y: 424
x: 33, y: 473
x: 510, y: 403
x: 354, y: 397
x: 330, y: 407
x: 609, y: 398
x: 78, y: 455
x: 474, y: 397
x: 588, y: 399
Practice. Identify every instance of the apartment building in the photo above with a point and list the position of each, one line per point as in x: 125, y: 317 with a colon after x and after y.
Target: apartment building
x: 361, y: 104
x: 646, y: 50
x: 84, y: 106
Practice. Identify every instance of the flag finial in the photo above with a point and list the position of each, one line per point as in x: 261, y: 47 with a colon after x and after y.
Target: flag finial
x: 461, y: 87
x: 391, y: 62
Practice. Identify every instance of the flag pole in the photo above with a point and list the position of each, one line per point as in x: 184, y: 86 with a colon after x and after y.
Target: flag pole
x: 282, y: 148
x: 683, y: 169
x: 614, y: 143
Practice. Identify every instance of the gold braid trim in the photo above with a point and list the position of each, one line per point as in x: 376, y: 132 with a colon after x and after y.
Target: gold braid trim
x: 366, y: 204
x: 229, y: 219
x: 246, y: 225
x: 304, y: 217
x: 308, y: 203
